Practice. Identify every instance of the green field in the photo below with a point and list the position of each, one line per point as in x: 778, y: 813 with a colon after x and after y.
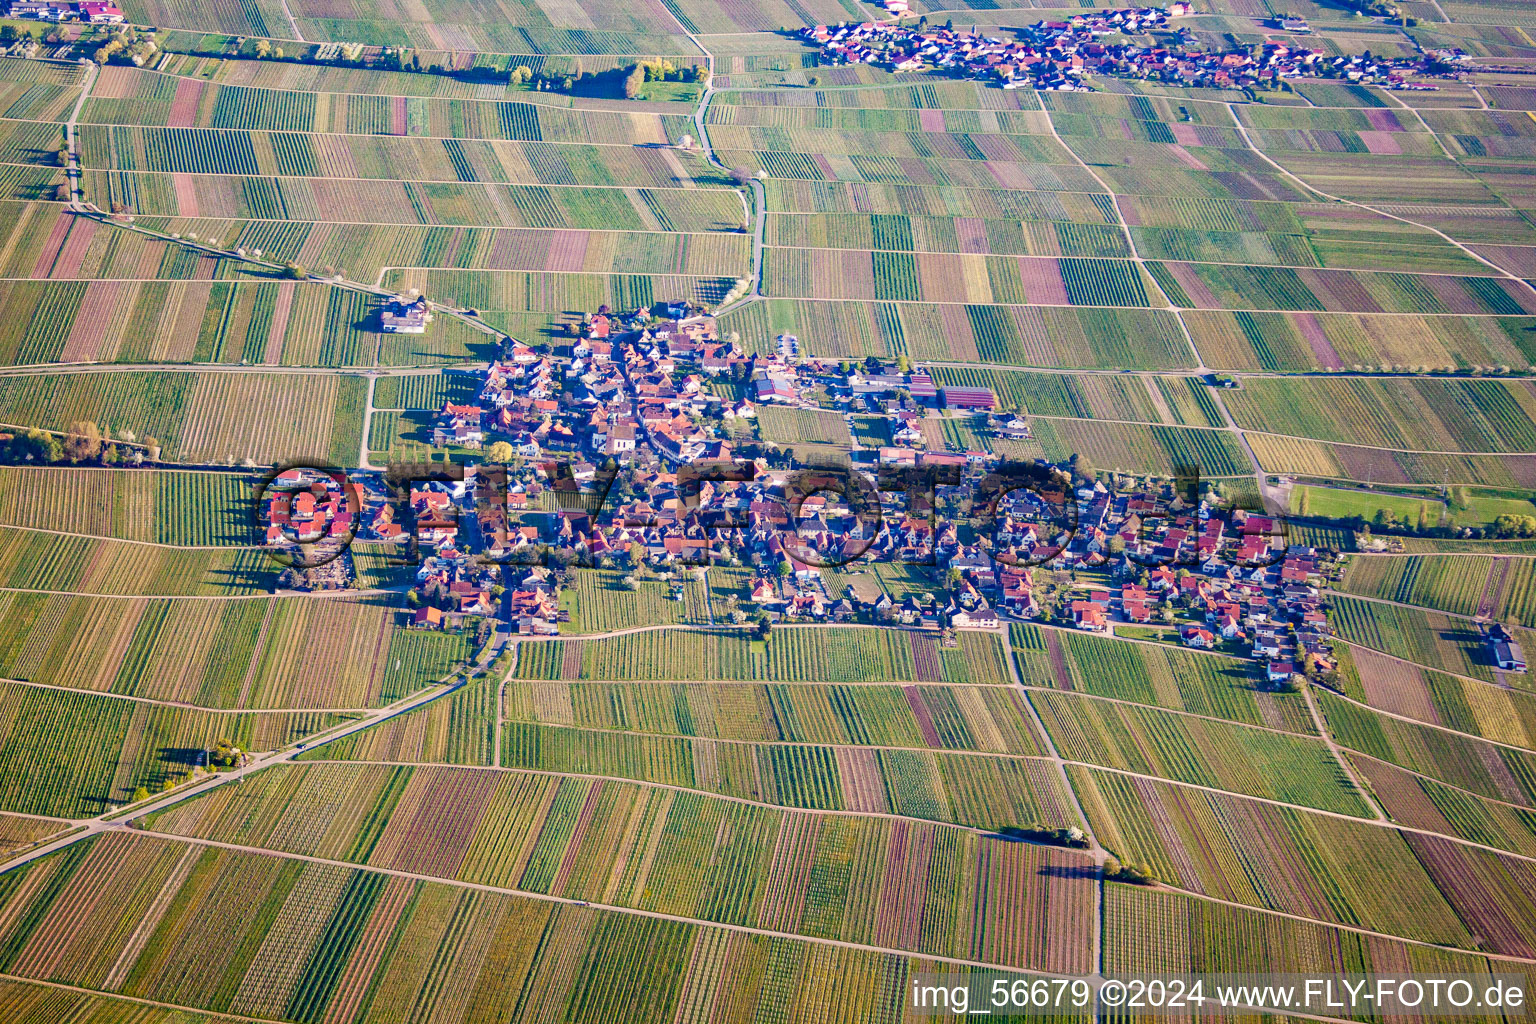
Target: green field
x: 81, y: 754
x: 1497, y: 773
x: 193, y: 509
x: 794, y: 654
x: 215, y: 418
x: 1208, y: 685
x: 1338, y: 503
x: 599, y: 600
x: 1239, y: 759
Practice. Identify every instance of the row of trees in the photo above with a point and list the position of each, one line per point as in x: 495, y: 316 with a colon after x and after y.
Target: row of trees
x: 396, y: 58
x: 83, y: 442
x: 626, y: 81
x: 1512, y: 526
x: 1072, y: 837
x: 660, y: 71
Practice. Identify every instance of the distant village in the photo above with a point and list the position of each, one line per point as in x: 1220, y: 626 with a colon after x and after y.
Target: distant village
x: 94, y: 12
x: 1047, y: 55
x: 582, y: 442
x: 1058, y: 55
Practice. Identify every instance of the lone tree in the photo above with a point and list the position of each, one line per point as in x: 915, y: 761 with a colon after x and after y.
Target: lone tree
x: 1080, y: 468
x: 634, y: 81
x: 1131, y: 874
x: 82, y: 442
x: 224, y: 754
x: 741, y: 175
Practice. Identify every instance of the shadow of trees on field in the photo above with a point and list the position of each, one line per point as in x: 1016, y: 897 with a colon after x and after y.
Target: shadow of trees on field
x: 1069, y: 871
x: 255, y: 272
x: 244, y: 577
x: 186, y: 757
x: 236, y: 524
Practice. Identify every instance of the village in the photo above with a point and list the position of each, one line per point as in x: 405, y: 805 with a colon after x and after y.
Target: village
x: 1059, y: 55
x: 630, y: 446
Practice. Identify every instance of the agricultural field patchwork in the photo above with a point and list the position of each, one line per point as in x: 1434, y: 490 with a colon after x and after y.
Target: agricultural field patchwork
x: 973, y: 332
x: 630, y: 845
x: 187, y: 509
x: 1477, y: 766
x: 1240, y: 759
x: 1432, y: 639
x: 1484, y: 416
x: 373, y: 923
x: 978, y: 718
x: 1469, y: 585
x: 554, y: 738
x: 1214, y: 937
x: 1157, y: 823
